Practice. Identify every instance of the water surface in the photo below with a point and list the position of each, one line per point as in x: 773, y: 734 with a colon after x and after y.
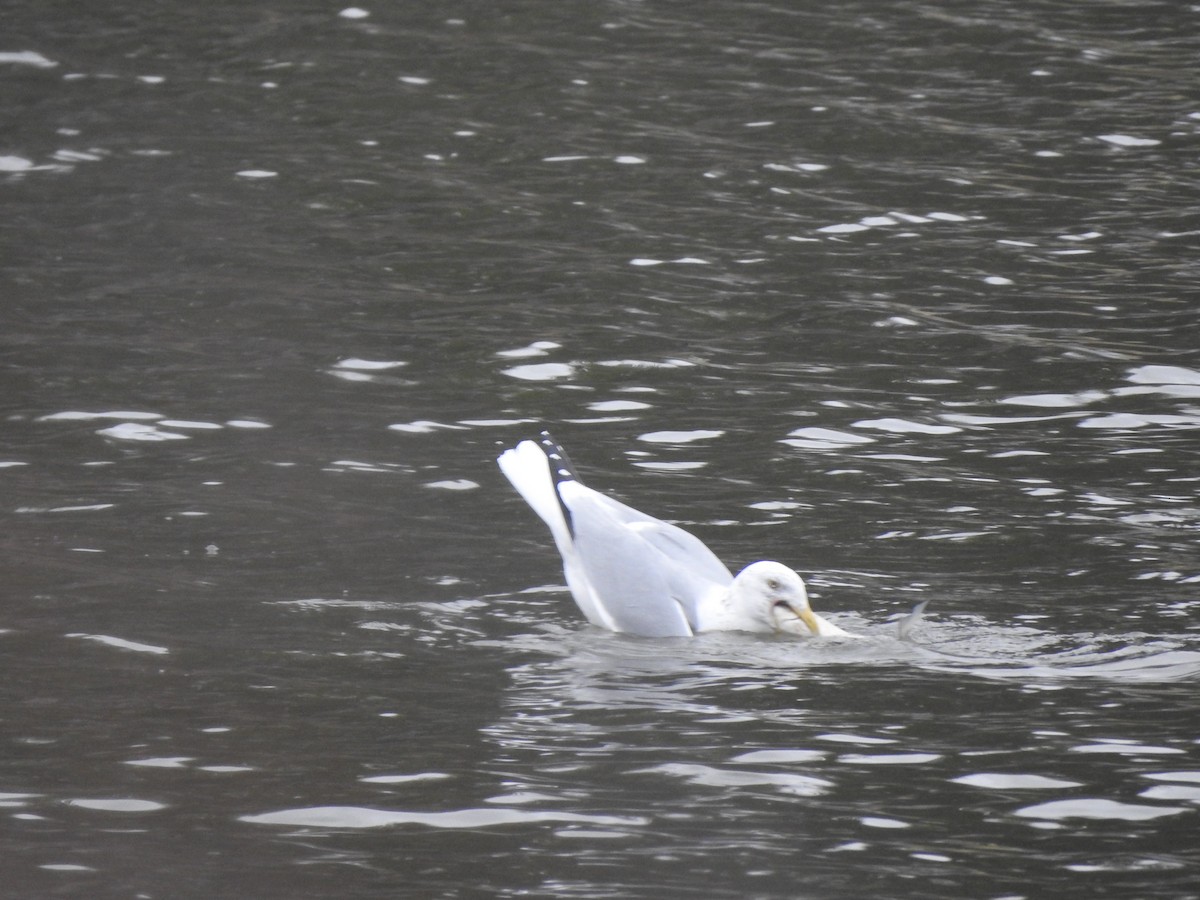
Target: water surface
x: 901, y: 294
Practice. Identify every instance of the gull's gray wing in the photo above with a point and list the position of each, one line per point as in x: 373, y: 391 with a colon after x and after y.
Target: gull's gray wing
x: 682, y: 547
x: 648, y: 575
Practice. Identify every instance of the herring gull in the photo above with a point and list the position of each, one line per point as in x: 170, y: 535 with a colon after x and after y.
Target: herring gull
x: 633, y: 573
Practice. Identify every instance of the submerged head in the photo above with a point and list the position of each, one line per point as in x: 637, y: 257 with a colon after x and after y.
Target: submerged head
x: 776, y: 598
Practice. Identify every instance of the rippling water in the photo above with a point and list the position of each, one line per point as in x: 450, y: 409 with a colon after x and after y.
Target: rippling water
x: 899, y: 293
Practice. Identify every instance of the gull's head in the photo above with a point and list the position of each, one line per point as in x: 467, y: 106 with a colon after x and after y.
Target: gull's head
x: 776, y: 598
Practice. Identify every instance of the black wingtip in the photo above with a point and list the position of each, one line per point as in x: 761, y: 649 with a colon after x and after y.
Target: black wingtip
x: 561, y: 469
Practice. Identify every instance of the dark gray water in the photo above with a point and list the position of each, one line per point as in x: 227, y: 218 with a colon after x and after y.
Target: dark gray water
x: 900, y: 293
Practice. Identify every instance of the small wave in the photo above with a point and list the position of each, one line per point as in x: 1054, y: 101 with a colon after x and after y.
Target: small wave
x: 1024, y: 653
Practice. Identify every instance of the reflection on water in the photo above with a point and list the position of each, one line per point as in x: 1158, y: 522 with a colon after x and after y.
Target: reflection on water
x: 853, y: 735
x: 1035, y: 655
x: 357, y: 817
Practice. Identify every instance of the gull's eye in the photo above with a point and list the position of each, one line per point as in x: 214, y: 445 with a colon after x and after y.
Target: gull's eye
x: 773, y: 583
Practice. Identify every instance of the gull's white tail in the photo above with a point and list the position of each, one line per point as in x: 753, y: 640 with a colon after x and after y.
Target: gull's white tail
x: 531, y: 472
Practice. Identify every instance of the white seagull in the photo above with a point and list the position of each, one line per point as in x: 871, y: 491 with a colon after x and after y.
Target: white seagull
x: 633, y: 573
